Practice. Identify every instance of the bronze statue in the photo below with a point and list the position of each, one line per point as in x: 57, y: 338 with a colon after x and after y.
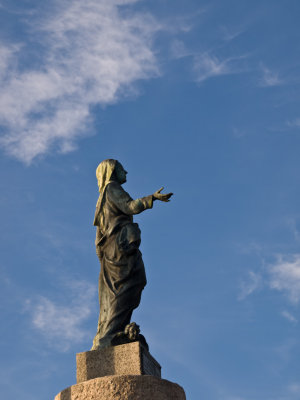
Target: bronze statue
x: 122, y: 275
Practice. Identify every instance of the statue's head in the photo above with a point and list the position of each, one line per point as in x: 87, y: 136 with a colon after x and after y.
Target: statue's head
x: 109, y: 170
x: 119, y: 173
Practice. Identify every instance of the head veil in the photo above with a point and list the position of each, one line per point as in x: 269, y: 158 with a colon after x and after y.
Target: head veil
x: 104, y: 173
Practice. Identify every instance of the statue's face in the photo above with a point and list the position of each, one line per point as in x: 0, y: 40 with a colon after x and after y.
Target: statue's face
x: 120, y: 173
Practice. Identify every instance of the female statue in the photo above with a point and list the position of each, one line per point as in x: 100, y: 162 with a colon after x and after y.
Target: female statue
x: 122, y: 276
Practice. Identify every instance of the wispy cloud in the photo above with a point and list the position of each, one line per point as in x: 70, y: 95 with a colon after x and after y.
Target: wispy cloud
x: 294, y: 388
x: 249, y: 285
x: 295, y: 123
x: 179, y: 50
x: 7, y: 57
x: 285, y: 276
x: 230, y: 34
x: 290, y: 317
x: 238, y: 132
x: 269, y: 78
x: 282, y: 276
x: 285, y: 352
x: 91, y: 54
x: 207, y: 66
x: 61, y: 324
x: 293, y: 224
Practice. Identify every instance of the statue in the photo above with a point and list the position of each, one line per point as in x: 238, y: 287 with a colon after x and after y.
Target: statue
x: 122, y: 275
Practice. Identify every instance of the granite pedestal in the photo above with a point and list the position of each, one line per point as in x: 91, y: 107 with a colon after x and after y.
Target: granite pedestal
x: 124, y: 372
x: 125, y: 359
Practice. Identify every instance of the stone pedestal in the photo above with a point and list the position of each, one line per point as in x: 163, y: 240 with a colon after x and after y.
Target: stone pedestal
x: 124, y: 372
x: 123, y: 387
x: 125, y: 359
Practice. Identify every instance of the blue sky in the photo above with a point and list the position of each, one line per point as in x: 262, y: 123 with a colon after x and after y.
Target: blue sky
x: 199, y: 96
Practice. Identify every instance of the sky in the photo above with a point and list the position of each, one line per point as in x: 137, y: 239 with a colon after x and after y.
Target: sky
x: 201, y: 97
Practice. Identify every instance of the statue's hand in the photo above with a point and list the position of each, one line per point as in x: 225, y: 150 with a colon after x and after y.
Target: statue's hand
x: 161, y: 196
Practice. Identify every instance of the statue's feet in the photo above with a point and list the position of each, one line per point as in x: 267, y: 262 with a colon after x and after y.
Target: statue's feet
x: 130, y: 334
x: 96, y: 343
x: 101, y: 343
x: 132, y: 331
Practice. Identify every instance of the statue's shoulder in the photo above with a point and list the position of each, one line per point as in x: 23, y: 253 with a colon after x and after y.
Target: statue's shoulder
x: 114, y: 189
x: 113, y: 185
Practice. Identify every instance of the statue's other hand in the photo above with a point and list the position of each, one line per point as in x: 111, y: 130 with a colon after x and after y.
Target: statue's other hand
x: 162, y: 196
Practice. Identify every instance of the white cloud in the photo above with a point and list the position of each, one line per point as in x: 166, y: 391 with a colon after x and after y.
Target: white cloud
x: 285, y: 276
x: 179, y: 50
x: 7, y: 55
x: 287, y: 315
x: 294, y: 388
x: 61, y: 324
x: 269, y: 78
x: 207, y: 66
x: 239, y: 133
x: 230, y: 34
x: 248, y: 286
x: 294, y: 123
x: 292, y: 223
x: 285, y: 351
x: 92, y: 53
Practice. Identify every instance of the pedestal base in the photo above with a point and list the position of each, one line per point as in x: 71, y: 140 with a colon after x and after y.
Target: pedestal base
x: 125, y: 359
x: 124, y: 372
x: 126, y: 387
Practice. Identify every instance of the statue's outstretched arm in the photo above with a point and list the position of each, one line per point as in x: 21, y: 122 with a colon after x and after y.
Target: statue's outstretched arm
x: 129, y: 206
x: 125, y: 203
x: 162, y: 196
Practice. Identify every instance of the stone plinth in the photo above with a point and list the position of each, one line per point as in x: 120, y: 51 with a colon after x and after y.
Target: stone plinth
x: 126, y: 387
x: 125, y: 359
x: 124, y: 372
